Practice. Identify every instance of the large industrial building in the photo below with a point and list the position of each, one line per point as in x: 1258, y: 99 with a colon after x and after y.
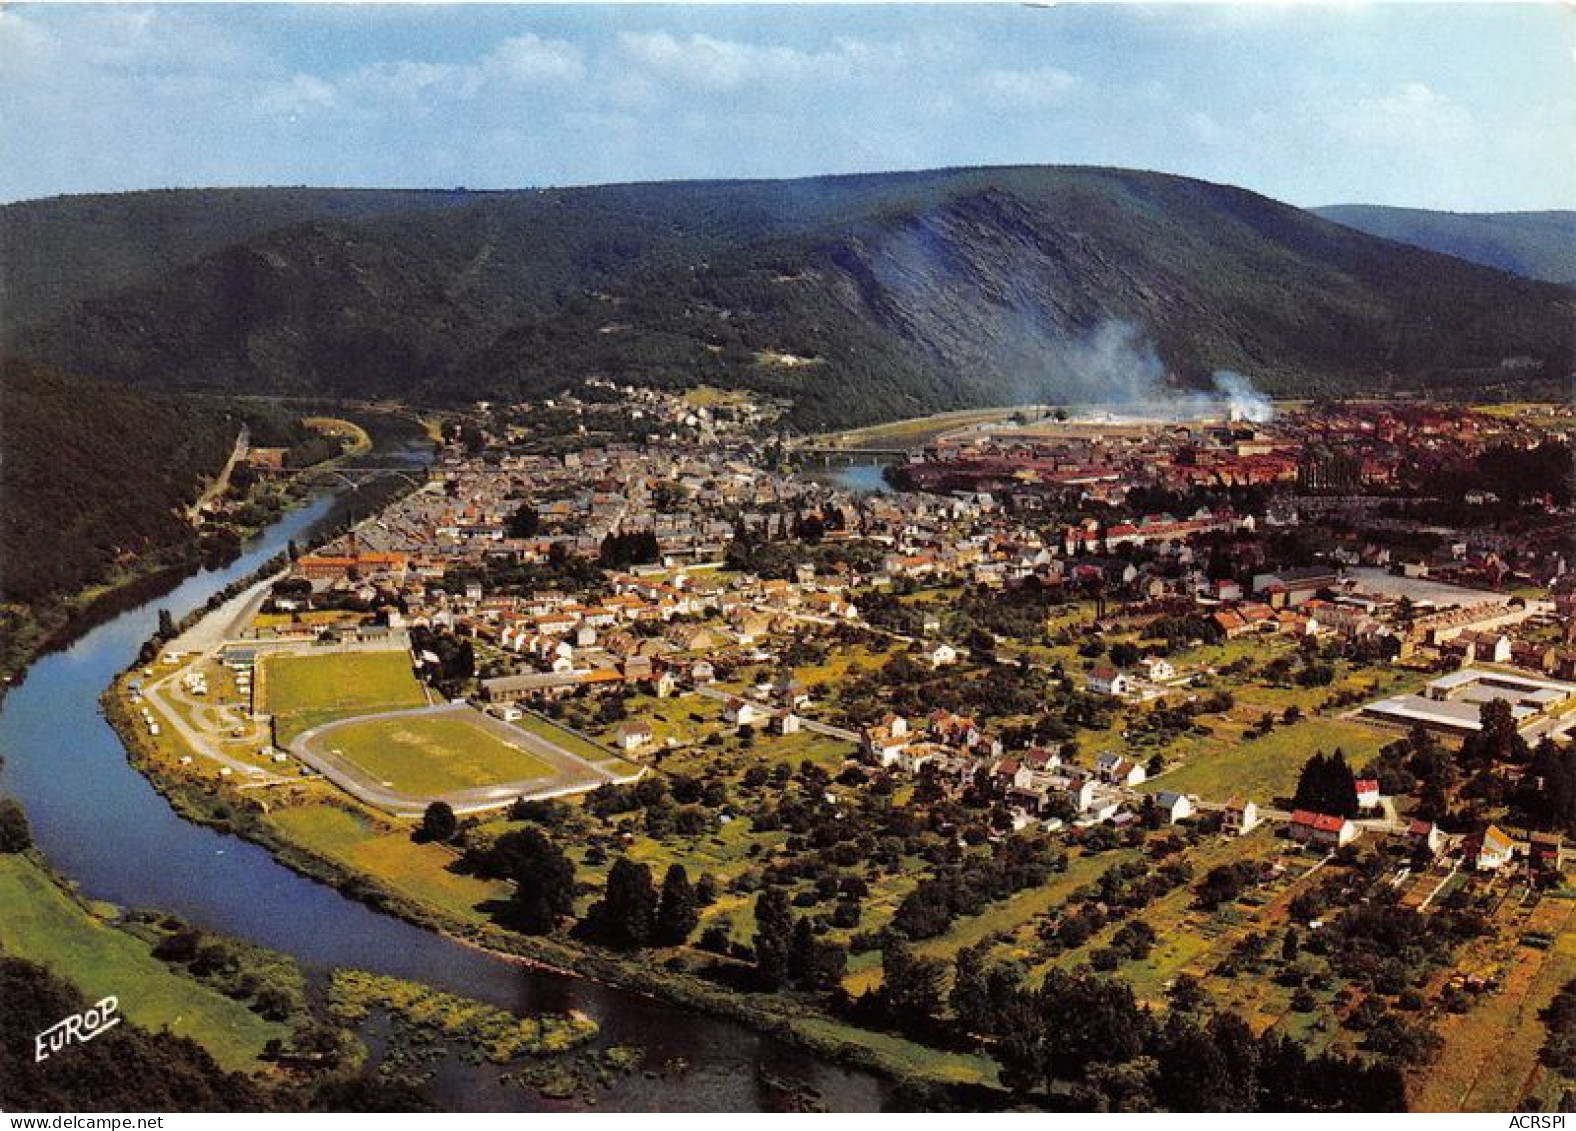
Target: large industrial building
x: 1453, y: 703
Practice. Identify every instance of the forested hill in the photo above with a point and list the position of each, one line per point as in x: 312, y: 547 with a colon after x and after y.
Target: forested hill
x: 1538, y: 245
x: 93, y: 477
x: 59, y: 251
x: 859, y: 297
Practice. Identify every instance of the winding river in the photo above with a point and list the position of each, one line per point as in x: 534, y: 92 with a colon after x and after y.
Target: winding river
x: 99, y: 822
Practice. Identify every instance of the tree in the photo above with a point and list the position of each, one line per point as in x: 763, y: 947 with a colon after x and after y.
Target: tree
x: 773, y: 937
x: 15, y: 836
x: 910, y: 983
x: 1223, y: 883
x: 626, y: 916
x: 1546, y: 796
x: 1186, y: 994
x: 970, y: 997
x: 166, y: 624
x: 544, y: 880
x: 1497, y: 739
x: 523, y: 523
x: 1194, y: 1075
x: 439, y: 823
x: 678, y: 908
x: 1073, y: 1021
x: 815, y: 964
x: 1327, y: 785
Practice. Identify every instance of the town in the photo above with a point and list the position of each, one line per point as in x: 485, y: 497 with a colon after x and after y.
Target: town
x: 1270, y: 714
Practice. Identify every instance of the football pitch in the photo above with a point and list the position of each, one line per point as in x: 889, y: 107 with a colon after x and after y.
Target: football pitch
x: 304, y: 691
x: 401, y: 760
x: 435, y: 754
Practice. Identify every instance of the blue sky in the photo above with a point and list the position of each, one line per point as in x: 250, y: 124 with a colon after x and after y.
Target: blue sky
x: 1467, y: 107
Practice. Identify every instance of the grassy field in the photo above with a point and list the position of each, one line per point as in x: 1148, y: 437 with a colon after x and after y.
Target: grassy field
x: 953, y: 1067
x: 1227, y: 764
x: 418, y: 871
x: 565, y: 739
x: 304, y: 691
x: 1011, y: 916
x: 435, y: 755
x: 1489, y: 1061
x: 41, y: 923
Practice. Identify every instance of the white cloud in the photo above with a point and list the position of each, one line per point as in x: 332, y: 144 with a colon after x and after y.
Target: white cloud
x: 530, y: 59
x: 1204, y: 128
x: 299, y: 94
x: 1033, y: 88
x: 519, y: 62
x: 23, y: 42
x: 708, y: 63
x: 1410, y: 113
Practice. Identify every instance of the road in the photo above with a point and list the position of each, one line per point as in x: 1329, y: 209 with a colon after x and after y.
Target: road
x: 221, y: 483
x: 161, y: 696
x: 203, y: 641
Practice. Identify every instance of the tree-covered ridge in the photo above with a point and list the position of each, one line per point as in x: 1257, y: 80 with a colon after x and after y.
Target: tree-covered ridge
x: 59, y: 251
x: 1538, y: 245
x: 94, y: 477
x: 859, y: 297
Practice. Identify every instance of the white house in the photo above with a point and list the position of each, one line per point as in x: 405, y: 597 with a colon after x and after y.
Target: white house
x: 741, y: 712
x: 1080, y: 793
x: 1367, y: 793
x: 942, y: 655
x: 1119, y: 770
x: 632, y: 736
x: 1108, y: 680
x: 1157, y: 669
x: 1496, y: 850
x: 1175, y: 806
x: 1322, y: 829
x: 1422, y: 834
x: 1239, y: 817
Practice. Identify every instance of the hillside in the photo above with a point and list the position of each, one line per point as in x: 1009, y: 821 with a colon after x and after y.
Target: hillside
x: 861, y: 297
x: 95, y: 476
x: 58, y: 251
x: 1537, y: 245
x: 92, y: 481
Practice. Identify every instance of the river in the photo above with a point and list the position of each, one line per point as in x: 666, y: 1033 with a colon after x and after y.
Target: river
x: 859, y: 478
x: 100, y: 823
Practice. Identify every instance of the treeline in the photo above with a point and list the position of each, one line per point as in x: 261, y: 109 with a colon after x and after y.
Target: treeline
x: 95, y: 476
x: 629, y: 547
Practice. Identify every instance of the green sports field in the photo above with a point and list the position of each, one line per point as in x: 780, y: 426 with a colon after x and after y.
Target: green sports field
x: 427, y: 756
x: 304, y: 691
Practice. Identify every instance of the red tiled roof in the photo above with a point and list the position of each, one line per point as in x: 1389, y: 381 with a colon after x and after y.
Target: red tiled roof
x: 1323, y: 822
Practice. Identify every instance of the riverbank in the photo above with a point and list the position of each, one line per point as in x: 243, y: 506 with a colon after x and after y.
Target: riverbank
x: 327, y: 837
x: 257, y: 1013
x: 35, y: 629
x: 95, y: 949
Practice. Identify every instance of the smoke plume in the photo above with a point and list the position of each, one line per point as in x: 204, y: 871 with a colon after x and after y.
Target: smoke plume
x: 1116, y: 369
